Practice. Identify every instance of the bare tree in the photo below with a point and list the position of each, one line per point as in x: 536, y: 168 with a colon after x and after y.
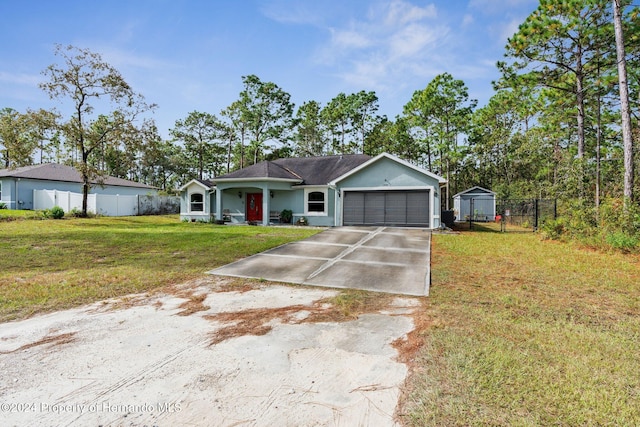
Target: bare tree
x: 85, y: 79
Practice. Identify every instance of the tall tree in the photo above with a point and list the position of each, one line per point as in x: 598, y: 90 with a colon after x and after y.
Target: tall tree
x: 625, y: 111
x: 43, y: 125
x: 442, y: 110
x: 309, y: 135
x: 382, y: 138
x: 506, y: 154
x: 85, y: 79
x: 336, y: 119
x: 553, y: 48
x: 237, y: 125
x: 265, y: 112
x: 21, y: 135
x: 200, y: 133
x: 364, y: 106
x: 16, y: 144
x: 159, y: 161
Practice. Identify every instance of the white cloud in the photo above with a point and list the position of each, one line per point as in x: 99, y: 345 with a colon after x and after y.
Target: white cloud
x: 349, y: 39
x: 500, y: 6
x: 467, y: 20
x: 123, y: 59
x: 288, y: 12
x: 366, y: 73
x: 508, y: 29
x: 504, y: 16
x: 400, y: 12
x: 413, y: 40
x: 393, y: 40
x: 21, y: 78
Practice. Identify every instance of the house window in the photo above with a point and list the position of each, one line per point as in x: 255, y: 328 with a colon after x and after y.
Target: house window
x: 197, y: 202
x: 316, y: 202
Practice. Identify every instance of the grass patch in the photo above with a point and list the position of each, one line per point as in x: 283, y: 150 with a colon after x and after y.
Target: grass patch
x: 49, y: 265
x: 12, y: 214
x: 525, y: 332
x: 351, y: 303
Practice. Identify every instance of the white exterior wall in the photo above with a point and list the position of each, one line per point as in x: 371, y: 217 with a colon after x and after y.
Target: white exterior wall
x: 102, y: 204
x: 207, y: 214
x: 67, y: 200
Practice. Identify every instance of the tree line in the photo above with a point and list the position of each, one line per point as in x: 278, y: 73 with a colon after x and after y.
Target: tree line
x: 553, y: 128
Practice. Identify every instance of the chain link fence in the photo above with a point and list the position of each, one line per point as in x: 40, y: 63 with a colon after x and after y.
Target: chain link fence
x: 504, y: 215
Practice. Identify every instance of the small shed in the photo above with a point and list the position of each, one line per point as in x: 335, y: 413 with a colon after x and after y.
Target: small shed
x: 476, y: 203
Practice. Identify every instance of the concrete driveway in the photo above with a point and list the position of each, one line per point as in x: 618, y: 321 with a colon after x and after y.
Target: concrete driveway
x: 381, y: 259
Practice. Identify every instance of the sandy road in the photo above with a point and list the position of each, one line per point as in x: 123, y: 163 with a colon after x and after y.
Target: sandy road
x: 205, y: 355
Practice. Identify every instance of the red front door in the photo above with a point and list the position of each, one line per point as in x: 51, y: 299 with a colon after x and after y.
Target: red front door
x: 254, y: 207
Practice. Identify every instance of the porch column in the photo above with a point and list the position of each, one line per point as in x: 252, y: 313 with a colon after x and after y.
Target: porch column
x: 266, y: 203
x: 337, y: 208
x: 218, y: 204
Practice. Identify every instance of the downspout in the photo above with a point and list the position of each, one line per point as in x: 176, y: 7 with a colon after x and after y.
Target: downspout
x: 17, y: 196
x: 432, y: 207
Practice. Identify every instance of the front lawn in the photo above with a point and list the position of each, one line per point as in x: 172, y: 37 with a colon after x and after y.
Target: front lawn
x: 525, y: 332
x: 54, y: 264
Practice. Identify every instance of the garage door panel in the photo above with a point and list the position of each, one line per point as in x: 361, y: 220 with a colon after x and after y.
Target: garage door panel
x: 400, y: 208
x: 353, y: 208
x: 396, y: 208
x: 374, y: 206
x: 418, y: 208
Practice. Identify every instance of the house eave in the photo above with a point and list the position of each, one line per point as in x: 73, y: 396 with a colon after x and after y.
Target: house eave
x: 471, y: 190
x: 195, y: 181
x: 302, y: 185
x: 255, y: 179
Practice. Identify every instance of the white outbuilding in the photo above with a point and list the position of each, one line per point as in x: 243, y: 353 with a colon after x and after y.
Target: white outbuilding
x: 476, y: 203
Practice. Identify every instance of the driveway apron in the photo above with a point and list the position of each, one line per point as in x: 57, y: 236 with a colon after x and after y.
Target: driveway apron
x: 382, y: 259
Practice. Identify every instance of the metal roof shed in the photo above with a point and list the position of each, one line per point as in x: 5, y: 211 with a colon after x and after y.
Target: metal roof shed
x: 476, y: 203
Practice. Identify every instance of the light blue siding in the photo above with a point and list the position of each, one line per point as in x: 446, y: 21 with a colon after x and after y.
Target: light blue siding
x: 387, y: 175
x: 18, y: 193
x: 476, y: 203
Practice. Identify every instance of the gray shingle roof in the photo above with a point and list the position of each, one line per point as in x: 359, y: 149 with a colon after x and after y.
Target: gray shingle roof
x: 305, y: 170
x: 55, y: 172
x: 205, y: 182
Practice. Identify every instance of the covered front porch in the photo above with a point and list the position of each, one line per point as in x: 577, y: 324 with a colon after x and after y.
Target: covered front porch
x: 255, y: 202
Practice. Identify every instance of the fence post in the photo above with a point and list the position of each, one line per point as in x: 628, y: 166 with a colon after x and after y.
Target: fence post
x: 537, y: 213
x: 471, y: 208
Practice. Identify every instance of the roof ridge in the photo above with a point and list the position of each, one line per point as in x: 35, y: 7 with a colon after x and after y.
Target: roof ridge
x: 281, y: 167
x: 65, y: 173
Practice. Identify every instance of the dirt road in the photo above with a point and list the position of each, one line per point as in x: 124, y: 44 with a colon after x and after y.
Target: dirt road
x: 207, y: 353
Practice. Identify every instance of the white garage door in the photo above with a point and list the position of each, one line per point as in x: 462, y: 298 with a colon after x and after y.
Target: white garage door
x: 399, y: 208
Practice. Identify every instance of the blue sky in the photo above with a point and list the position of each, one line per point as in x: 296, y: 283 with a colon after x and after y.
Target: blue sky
x: 187, y: 55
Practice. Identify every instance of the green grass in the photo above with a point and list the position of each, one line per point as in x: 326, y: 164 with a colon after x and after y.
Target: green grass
x: 11, y: 214
x: 525, y: 333
x: 53, y: 264
x: 522, y: 332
